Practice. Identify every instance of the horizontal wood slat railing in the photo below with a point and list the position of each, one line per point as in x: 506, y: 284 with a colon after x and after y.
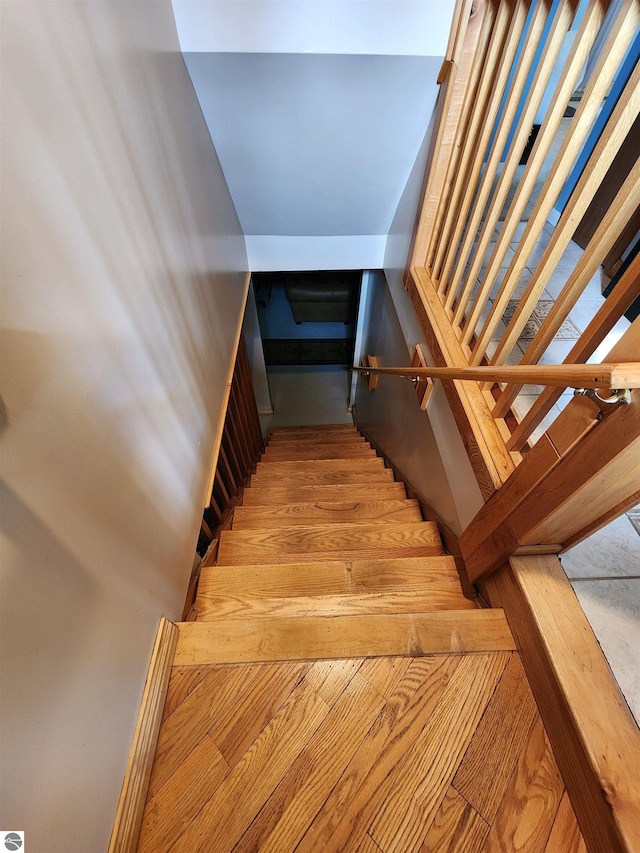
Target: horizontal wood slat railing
x: 610, y: 377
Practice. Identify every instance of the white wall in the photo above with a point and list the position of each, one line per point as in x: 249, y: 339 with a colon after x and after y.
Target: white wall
x: 122, y: 266
x: 464, y: 488
x: 383, y: 27
x: 316, y: 148
x: 390, y: 415
x: 253, y: 340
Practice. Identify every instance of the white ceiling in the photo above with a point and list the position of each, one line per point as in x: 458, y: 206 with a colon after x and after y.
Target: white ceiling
x: 317, y: 111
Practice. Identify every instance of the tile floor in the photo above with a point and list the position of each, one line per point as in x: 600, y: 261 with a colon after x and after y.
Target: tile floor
x: 604, y: 570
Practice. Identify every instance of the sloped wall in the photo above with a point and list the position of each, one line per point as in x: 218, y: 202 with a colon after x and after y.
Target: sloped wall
x: 123, y: 265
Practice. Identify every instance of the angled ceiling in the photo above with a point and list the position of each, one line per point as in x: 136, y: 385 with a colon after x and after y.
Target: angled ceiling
x: 317, y: 111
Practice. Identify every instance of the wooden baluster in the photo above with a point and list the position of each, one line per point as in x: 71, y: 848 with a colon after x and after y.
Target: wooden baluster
x: 625, y: 203
x: 543, y: 72
x: 530, y: 47
x: 607, y: 147
x: 481, y: 103
x: 624, y: 294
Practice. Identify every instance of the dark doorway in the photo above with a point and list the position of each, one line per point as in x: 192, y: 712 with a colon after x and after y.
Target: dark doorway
x: 308, y: 318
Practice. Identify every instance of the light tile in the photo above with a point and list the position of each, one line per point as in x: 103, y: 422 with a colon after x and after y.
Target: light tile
x: 521, y: 406
x: 610, y: 341
x: 584, y: 311
x: 521, y: 286
x: 560, y: 276
x: 613, y: 610
x: 613, y: 551
x: 574, y: 251
x: 536, y: 254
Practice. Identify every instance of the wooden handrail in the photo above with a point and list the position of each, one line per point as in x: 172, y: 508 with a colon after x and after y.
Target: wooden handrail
x: 610, y: 377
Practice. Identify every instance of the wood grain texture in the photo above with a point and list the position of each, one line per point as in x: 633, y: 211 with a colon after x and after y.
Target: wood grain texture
x: 368, y: 845
x: 304, y: 430
x: 456, y: 827
x: 491, y: 462
x: 384, y: 674
x: 175, y: 805
x: 449, y: 538
x: 355, y: 450
x: 565, y: 375
x: 369, y: 471
x: 218, y: 828
x: 126, y: 829
x: 240, y: 726
x: 349, y: 810
x: 329, y: 541
x: 247, y: 517
x: 565, y: 832
x: 526, y: 815
x: 485, y: 771
x: 338, y: 700
x: 311, y: 778
x: 408, y: 812
x: 301, y: 493
x: 423, y: 600
x: 189, y: 723
x: 330, y: 577
x: 242, y: 640
x: 349, y: 436
x: 182, y: 681
x: 595, y: 740
x: 324, y: 784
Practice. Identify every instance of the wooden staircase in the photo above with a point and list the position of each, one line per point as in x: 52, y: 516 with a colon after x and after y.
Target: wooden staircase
x: 361, y: 577
x: 338, y: 691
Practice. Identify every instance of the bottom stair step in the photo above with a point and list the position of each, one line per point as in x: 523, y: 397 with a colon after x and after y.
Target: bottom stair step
x: 318, y: 637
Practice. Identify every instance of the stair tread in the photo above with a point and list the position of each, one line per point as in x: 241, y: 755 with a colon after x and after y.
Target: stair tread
x: 298, y: 475
x: 290, y: 430
x: 368, y: 463
x: 326, y: 637
x: 320, y: 451
x: 260, y: 495
x: 339, y: 512
x: 315, y: 438
x: 316, y: 541
x: 418, y: 600
x: 331, y: 576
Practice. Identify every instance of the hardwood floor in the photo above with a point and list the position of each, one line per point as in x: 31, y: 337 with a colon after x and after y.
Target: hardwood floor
x: 338, y: 691
x: 436, y: 753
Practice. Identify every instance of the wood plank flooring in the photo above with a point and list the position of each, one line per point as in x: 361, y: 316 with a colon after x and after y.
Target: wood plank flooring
x: 338, y: 691
x: 436, y: 753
